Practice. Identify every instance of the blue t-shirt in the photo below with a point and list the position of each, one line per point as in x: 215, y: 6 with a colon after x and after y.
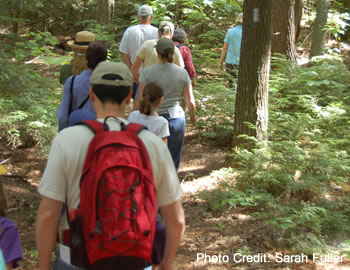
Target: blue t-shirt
x: 81, y: 90
x: 233, y: 38
x: 2, y: 262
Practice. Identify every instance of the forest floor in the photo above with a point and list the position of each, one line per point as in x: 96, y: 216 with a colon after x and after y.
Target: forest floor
x: 205, y: 232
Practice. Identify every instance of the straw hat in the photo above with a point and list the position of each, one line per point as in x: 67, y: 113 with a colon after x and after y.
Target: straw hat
x: 82, y: 40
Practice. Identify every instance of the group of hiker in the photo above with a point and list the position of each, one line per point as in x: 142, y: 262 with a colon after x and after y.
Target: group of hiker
x: 111, y: 183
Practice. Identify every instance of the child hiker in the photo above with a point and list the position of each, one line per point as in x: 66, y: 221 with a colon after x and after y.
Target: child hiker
x: 147, y: 114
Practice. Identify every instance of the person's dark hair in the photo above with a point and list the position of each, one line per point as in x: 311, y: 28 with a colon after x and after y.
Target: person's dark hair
x: 3, y: 201
x: 96, y: 53
x: 151, y: 93
x: 179, y: 36
x: 168, y: 55
x: 111, y: 93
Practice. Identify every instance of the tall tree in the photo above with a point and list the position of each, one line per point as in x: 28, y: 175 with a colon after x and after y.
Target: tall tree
x: 283, y: 40
x: 298, y: 13
x: 105, y: 11
x: 254, y: 69
x: 319, y: 34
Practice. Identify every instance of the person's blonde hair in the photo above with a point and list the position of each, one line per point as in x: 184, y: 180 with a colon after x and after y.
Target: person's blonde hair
x: 239, y: 19
x: 166, y: 28
x: 3, y: 200
x: 151, y: 93
x: 79, y: 62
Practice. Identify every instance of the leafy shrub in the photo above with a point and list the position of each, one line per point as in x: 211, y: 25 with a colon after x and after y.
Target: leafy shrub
x: 215, y: 109
x: 106, y: 34
x: 289, y: 181
x: 28, y: 101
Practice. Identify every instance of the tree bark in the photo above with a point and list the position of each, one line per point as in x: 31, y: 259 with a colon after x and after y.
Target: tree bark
x: 319, y: 34
x: 283, y: 40
x: 105, y: 11
x: 252, y: 89
x: 346, y: 4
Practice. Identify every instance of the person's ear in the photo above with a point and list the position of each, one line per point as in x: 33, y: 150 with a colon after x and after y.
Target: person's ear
x: 92, y: 95
x: 128, y: 97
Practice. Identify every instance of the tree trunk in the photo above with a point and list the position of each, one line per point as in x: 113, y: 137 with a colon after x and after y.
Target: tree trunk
x: 319, y: 34
x: 298, y: 8
x: 252, y: 89
x: 105, y: 11
x: 15, y: 15
x: 347, y: 6
x: 283, y: 40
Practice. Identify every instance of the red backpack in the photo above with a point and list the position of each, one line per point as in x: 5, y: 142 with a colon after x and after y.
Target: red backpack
x: 116, y: 220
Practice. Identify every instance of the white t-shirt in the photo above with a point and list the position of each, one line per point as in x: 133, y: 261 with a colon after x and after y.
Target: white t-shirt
x: 158, y: 125
x: 134, y: 37
x: 61, y: 178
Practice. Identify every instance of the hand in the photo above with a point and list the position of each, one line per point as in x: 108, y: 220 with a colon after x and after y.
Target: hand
x: 135, y: 77
x: 193, y: 119
x: 163, y: 266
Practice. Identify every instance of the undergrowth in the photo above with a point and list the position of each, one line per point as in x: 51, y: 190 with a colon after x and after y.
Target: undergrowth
x: 298, y: 182
x: 28, y: 100
x: 214, y: 111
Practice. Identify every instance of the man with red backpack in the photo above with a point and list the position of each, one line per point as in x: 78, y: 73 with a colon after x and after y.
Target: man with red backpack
x: 112, y: 176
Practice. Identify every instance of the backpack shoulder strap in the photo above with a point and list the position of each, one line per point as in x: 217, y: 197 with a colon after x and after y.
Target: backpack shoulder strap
x: 70, y: 109
x: 135, y: 128
x: 97, y: 127
x: 94, y: 125
x: 179, y: 45
x: 83, y: 103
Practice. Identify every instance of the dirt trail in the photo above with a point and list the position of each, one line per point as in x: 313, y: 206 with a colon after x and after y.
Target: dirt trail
x: 205, y: 232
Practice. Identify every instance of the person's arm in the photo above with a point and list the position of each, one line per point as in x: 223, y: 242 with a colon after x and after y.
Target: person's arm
x: 189, y: 63
x: 125, y: 59
x: 46, y: 230
x: 139, y: 97
x: 9, y: 266
x: 174, y: 220
x: 135, y: 68
x: 63, y: 110
x: 190, y: 102
x: 223, y: 54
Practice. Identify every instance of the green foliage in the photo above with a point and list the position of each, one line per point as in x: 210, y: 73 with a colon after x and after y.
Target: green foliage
x: 215, y: 111
x: 338, y: 23
x: 199, y: 18
x: 34, y: 254
x: 298, y: 182
x: 198, y: 11
x: 345, y: 249
x: 106, y: 34
x: 28, y: 100
x: 34, y: 44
